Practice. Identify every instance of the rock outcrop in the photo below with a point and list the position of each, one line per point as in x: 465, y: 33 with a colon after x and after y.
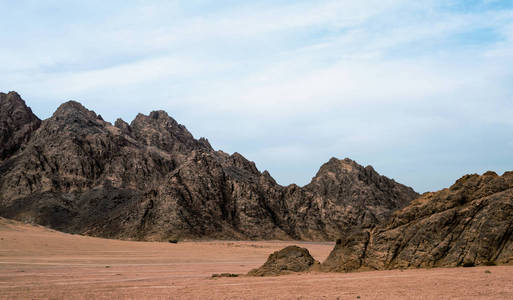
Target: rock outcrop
x: 342, y: 196
x: 152, y: 180
x: 17, y: 123
x: 470, y: 223
x: 287, y: 260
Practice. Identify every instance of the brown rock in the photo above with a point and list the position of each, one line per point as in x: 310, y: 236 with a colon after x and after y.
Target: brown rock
x: 287, y: 260
x: 470, y: 223
x: 163, y: 132
x: 17, y: 123
x: 342, y: 196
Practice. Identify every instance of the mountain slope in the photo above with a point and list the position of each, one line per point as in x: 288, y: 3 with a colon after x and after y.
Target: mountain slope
x: 152, y: 180
x: 470, y: 223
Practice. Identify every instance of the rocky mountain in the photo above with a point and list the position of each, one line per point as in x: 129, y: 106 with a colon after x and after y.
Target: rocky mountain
x: 17, y: 122
x: 470, y: 223
x: 152, y: 180
x: 343, y: 195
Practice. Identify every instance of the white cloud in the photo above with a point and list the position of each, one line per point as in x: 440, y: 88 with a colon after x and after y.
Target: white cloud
x: 380, y: 81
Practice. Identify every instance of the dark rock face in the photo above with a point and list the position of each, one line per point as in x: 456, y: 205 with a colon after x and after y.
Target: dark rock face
x: 163, y: 132
x: 152, y: 180
x: 287, y: 260
x: 17, y: 123
x: 470, y: 223
x: 342, y: 196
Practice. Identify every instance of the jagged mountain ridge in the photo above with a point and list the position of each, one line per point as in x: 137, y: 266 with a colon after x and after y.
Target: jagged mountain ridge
x: 152, y: 180
x: 470, y: 223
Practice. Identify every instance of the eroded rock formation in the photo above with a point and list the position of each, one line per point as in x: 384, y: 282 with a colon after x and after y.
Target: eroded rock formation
x: 470, y: 223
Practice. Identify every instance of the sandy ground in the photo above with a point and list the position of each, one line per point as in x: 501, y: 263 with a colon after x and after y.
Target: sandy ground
x: 38, y: 263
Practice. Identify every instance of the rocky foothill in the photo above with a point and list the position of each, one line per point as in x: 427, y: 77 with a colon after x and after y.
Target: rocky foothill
x: 468, y: 224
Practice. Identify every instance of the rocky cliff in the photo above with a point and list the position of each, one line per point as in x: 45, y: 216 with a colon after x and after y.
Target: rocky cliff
x: 470, y: 223
x: 17, y: 122
x: 152, y: 180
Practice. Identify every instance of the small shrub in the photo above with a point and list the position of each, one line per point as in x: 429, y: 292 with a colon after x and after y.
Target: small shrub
x: 468, y: 264
x: 173, y: 241
x: 225, y: 275
x: 490, y: 263
x: 487, y: 271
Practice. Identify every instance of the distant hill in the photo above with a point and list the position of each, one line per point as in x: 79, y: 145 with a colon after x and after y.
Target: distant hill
x: 152, y: 180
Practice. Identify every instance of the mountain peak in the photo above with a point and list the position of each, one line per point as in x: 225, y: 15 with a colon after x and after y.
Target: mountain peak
x: 160, y: 115
x: 156, y: 116
x: 17, y: 122
x: 72, y: 107
x: 344, y: 180
x: 123, y: 126
x: 162, y: 131
x: 335, y: 165
x: 12, y: 101
x: 10, y: 96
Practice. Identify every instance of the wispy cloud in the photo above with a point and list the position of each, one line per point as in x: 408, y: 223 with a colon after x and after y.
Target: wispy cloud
x: 420, y: 89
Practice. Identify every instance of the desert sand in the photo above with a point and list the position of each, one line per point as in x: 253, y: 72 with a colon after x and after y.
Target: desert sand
x: 39, y: 263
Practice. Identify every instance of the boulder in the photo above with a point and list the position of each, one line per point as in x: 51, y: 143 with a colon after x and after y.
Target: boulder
x: 287, y: 260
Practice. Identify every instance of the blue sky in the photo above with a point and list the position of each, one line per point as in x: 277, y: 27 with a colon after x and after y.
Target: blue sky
x: 421, y: 90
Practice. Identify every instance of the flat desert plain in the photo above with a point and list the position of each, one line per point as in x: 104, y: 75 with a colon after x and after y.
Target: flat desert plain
x: 39, y: 263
